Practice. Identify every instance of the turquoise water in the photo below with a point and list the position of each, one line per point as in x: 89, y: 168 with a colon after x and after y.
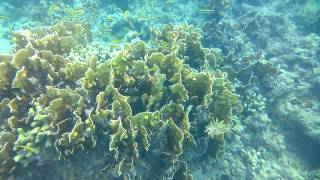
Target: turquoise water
x: 6, y: 47
x: 161, y: 90
x: 313, y: 5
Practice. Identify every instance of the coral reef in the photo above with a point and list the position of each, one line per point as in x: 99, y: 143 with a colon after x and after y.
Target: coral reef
x: 148, y: 89
x: 140, y: 102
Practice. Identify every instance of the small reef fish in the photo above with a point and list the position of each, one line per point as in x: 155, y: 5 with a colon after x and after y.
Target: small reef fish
x: 30, y: 149
x: 11, y: 29
x: 316, y: 70
x: 116, y: 41
x: 126, y: 15
x: 206, y: 10
x: 127, y: 29
x: 95, y: 12
x: 106, y: 34
x: 35, y: 11
x: 148, y: 18
x: 169, y: 2
x: 108, y: 19
x: 136, y: 33
x: 75, y: 11
x: 4, y: 18
x: 54, y: 8
x: 114, y: 46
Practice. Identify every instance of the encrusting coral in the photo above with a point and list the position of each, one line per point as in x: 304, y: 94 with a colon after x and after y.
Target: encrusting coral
x: 144, y: 103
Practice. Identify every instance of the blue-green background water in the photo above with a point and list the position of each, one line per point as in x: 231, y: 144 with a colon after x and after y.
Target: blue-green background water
x: 269, y: 49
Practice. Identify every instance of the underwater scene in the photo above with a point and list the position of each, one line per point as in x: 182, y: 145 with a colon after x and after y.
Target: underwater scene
x: 160, y: 89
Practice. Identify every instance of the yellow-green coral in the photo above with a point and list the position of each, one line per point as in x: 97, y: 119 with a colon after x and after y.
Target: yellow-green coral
x: 140, y: 103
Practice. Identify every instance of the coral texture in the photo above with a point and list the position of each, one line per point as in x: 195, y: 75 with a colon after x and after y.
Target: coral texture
x: 142, y: 103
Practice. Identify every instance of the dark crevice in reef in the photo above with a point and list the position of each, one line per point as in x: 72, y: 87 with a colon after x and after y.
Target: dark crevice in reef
x: 297, y: 136
x: 306, y: 148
